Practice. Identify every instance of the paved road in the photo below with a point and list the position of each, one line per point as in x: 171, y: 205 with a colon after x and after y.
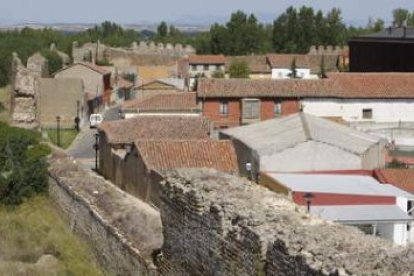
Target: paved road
x: 82, y: 147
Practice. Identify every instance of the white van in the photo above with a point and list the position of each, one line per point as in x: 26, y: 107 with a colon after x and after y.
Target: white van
x: 95, y: 120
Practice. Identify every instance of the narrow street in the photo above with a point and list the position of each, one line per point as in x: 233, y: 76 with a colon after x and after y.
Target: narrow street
x: 82, y: 147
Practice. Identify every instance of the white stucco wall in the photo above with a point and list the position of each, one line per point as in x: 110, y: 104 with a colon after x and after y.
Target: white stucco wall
x: 396, y: 232
x: 284, y: 73
x: 383, y: 111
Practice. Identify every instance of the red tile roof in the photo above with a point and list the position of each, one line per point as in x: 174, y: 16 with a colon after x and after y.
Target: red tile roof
x: 285, y: 60
x: 164, y: 101
x: 257, y: 64
x: 207, y: 59
x: 401, y: 178
x: 228, y: 88
x: 173, y: 154
x: 155, y: 127
x: 338, y: 85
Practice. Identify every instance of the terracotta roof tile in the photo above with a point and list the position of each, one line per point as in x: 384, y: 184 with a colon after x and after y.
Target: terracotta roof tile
x: 173, y: 154
x: 338, y: 85
x: 285, y: 60
x: 155, y: 127
x: 164, y: 101
x: 257, y: 64
x: 262, y: 88
x: 401, y: 178
x: 207, y: 59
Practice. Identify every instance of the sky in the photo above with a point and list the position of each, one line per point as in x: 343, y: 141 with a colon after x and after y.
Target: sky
x: 153, y: 11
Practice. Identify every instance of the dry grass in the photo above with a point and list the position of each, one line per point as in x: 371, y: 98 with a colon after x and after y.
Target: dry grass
x: 34, y: 229
x: 4, y: 103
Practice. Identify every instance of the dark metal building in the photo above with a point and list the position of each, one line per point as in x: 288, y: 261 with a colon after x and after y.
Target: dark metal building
x: 391, y: 50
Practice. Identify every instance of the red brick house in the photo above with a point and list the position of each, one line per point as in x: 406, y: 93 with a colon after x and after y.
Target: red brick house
x: 234, y: 102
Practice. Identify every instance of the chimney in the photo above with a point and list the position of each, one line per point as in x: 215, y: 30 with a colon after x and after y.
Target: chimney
x: 404, y: 31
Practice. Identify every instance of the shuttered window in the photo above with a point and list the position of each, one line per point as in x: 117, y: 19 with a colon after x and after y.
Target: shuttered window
x: 251, y: 108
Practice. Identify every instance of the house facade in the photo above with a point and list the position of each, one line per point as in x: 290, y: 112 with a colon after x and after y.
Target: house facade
x: 282, y: 65
x: 97, y: 82
x: 116, y: 137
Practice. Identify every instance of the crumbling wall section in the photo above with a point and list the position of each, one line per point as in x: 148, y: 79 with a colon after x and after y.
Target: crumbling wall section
x: 24, y: 85
x: 123, y: 231
x: 217, y: 224
x: 136, y: 55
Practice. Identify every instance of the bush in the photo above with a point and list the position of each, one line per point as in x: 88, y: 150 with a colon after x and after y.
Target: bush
x: 23, y: 169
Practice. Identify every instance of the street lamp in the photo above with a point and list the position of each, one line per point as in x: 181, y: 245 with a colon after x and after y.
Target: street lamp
x: 308, y: 197
x: 58, y: 130
x: 96, y: 148
x: 77, y: 119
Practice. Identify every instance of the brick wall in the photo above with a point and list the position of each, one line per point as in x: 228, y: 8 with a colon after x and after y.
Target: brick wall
x: 211, y: 110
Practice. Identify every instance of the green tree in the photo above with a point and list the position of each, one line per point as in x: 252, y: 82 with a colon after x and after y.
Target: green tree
x: 162, y: 29
x: 218, y: 74
x: 400, y: 17
x: 322, y: 69
x: 239, y: 70
x: 53, y: 59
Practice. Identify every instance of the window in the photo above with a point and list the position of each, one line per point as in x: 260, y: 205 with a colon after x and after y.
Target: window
x: 194, y: 67
x: 367, y: 113
x: 224, y: 108
x: 218, y: 68
x: 277, y: 108
x: 205, y: 67
x: 251, y: 109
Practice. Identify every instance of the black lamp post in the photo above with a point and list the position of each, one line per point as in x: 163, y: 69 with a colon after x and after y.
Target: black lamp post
x: 96, y: 148
x: 308, y: 197
x: 77, y: 119
x: 58, y: 130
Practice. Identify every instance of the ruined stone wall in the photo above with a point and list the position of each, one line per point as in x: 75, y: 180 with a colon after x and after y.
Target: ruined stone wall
x: 24, y: 95
x: 136, y: 55
x: 122, y: 231
x: 216, y: 224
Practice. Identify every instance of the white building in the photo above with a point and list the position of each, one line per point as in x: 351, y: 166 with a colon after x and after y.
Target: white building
x: 358, y: 200
x: 380, y: 103
x: 281, y: 65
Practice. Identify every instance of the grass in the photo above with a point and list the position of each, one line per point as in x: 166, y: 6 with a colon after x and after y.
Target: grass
x: 66, y: 137
x: 4, y: 103
x: 33, y: 229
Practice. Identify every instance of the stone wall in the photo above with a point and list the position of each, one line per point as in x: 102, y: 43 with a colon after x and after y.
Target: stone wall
x: 24, y: 94
x: 216, y: 224
x: 136, y: 55
x: 123, y: 232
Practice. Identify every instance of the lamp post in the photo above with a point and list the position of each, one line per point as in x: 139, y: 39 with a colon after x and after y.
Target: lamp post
x: 58, y: 131
x: 308, y: 197
x: 96, y: 148
x: 77, y: 119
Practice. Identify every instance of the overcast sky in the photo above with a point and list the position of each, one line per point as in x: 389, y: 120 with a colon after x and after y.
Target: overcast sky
x: 136, y: 11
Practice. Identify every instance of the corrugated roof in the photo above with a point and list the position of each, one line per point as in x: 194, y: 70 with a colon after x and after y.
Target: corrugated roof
x: 207, y: 59
x: 338, y: 184
x: 165, y: 101
x: 276, y: 135
x: 155, y: 127
x: 338, y: 85
x: 355, y: 214
x: 173, y: 154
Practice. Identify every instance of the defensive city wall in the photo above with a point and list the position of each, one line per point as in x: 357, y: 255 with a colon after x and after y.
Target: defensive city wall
x: 210, y: 223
